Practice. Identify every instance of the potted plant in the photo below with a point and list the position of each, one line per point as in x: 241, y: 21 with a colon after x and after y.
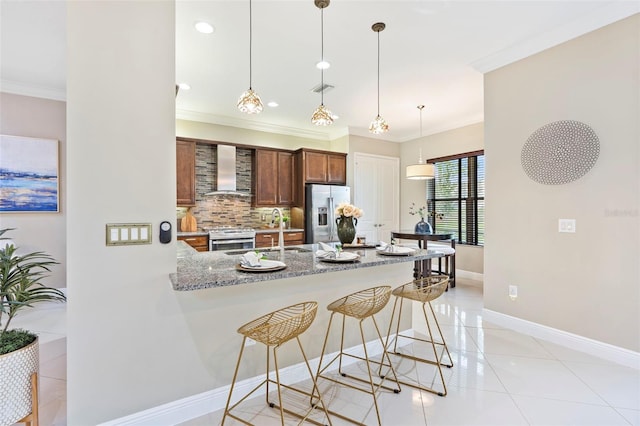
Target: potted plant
x: 20, y: 288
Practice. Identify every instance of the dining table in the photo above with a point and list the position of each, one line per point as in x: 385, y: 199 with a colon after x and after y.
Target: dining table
x: 422, y: 268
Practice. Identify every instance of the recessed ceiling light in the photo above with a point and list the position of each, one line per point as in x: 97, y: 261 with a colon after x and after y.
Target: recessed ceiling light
x: 272, y: 104
x: 335, y: 116
x: 323, y: 65
x: 184, y: 86
x: 204, y: 27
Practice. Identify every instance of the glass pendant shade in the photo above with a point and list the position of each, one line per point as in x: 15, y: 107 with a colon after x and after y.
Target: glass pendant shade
x: 322, y: 116
x: 378, y: 126
x: 250, y: 102
x: 421, y: 171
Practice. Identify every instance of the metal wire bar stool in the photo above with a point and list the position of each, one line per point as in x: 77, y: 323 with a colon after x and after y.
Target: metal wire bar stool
x: 422, y: 290
x: 273, y: 330
x: 360, y: 305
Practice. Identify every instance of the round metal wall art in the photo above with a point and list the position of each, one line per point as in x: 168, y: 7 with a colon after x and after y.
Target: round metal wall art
x: 560, y: 152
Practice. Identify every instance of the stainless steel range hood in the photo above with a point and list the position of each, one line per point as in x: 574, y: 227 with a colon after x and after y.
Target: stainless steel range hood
x: 226, y: 184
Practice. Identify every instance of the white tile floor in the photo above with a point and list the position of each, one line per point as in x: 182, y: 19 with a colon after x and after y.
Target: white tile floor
x: 500, y: 377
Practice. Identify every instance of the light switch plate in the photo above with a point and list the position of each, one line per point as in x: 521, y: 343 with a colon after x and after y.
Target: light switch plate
x: 124, y: 234
x: 566, y: 225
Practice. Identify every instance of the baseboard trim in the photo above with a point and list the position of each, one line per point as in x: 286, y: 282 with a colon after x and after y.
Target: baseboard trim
x: 603, y: 350
x: 475, y: 276
x: 203, y: 403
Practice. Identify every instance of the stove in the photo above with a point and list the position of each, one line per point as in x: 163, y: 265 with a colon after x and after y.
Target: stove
x: 230, y: 238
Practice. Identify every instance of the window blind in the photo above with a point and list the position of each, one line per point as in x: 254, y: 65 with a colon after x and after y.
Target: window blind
x: 455, y: 198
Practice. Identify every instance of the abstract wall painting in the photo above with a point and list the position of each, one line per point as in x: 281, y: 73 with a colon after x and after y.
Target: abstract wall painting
x: 29, y: 175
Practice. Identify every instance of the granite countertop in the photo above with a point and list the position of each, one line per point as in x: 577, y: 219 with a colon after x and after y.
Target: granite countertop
x: 193, y: 234
x: 200, y: 270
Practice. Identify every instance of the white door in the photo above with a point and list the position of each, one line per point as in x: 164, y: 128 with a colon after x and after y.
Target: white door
x: 376, y: 191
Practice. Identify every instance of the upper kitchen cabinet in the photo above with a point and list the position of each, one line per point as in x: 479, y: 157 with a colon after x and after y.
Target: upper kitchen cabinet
x: 186, y: 173
x: 323, y: 166
x: 273, y: 184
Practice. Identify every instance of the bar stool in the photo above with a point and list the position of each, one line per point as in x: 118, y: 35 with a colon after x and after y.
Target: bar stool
x: 360, y: 305
x: 422, y: 290
x: 449, y: 258
x: 273, y: 330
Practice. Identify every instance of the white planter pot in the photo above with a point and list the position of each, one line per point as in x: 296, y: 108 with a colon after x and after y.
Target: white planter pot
x: 16, y: 369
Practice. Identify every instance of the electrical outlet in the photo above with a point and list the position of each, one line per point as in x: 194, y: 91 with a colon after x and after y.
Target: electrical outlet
x: 249, y: 342
x: 513, y: 292
x: 566, y: 225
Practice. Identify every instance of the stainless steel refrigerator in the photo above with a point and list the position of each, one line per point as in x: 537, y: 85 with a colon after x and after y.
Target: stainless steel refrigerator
x: 319, y: 215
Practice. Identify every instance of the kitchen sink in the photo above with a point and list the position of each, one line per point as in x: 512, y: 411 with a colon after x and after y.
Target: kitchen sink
x: 268, y: 249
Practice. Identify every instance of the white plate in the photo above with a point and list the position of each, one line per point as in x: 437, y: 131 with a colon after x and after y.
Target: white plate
x: 405, y: 252
x: 265, y: 266
x: 344, y: 257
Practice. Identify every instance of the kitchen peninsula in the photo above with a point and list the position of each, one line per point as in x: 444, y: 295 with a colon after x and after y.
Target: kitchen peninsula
x: 201, y: 270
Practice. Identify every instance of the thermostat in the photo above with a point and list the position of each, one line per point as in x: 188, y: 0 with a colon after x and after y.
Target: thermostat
x: 165, y: 232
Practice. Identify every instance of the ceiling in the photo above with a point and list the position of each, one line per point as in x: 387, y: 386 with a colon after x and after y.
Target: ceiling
x: 431, y: 52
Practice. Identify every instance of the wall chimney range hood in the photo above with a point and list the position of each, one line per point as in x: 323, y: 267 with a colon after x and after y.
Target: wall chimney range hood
x: 226, y: 183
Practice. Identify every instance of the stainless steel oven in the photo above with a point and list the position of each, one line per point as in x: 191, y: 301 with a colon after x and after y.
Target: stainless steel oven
x: 231, y: 238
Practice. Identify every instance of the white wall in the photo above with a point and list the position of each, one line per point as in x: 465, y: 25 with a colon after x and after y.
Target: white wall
x: 457, y: 141
x: 121, y: 165
x: 39, y: 118
x: 585, y: 283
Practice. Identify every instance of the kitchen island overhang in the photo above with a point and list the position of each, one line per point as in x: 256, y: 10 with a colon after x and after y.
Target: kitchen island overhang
x: 203, y: 270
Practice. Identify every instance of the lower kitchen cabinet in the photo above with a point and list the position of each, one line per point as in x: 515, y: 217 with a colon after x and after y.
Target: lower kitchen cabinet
x: 293, y: 238
x: 271, y: 239
x: 266, y: 239
x: 198, y: 242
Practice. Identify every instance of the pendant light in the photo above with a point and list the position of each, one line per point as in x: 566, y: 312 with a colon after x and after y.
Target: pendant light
x: 421, y: 171
x: 249, y: 101
x: 322, y: 116
x: 378, y: 125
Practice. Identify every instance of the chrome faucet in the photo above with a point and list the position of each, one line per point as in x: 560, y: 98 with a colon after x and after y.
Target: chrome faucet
x: 278, y: 212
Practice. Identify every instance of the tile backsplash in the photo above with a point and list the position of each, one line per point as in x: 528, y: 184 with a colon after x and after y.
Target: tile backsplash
x: 225, y: 210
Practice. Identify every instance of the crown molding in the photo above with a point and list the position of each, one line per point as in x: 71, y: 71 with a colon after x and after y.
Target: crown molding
x: 18, y: 88
x: 442, y: 127
x: 333, y: 134
x: 605, y: 15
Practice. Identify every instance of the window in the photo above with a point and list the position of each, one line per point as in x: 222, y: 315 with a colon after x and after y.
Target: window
x: 455, y: 198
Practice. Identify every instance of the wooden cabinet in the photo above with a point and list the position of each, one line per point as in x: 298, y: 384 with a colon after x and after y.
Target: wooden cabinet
x: 293, y: 238
x: 198, y: 242
x: 323, y: 166
x: 285, y: 178
x: 271, y: 239
x: 337, y: 169
x: 315, y: 167
x: 273, y: 184
x: 266, y: 239
x: 186, y: 173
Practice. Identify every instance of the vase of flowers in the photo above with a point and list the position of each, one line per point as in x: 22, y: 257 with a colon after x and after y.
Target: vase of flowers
x: 421, y: 227
x: 347, y: 217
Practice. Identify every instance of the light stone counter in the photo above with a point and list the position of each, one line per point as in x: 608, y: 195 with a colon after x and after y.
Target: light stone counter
x: 201, y: 270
